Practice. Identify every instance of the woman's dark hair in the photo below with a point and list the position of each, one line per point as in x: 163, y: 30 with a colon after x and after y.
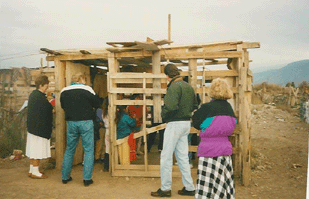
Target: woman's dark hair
x: 41, y: 81
x: 120, y: 110
x: 171, y: 70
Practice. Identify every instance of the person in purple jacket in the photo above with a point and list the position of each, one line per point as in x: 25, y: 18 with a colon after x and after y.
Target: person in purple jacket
x: 217, y: 121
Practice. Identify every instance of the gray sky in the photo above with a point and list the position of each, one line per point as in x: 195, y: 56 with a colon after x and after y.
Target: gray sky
x: 281, y: 26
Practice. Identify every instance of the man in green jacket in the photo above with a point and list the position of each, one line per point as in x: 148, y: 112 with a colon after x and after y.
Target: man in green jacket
x: 179, y: 103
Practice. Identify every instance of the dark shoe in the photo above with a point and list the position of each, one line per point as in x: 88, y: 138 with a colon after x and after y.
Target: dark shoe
x: 68, y: 180
x: 161, y: 193
x: 184, y: 192
x: 88, y: 182
x: 106, y: 162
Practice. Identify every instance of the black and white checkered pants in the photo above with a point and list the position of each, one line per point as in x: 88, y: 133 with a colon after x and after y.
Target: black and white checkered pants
x: 215, y: 178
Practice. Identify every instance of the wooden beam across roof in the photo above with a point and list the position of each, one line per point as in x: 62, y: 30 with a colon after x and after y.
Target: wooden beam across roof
x: 123, y: 44
x: 85, y: 52
x: 142, y: 50
x: 213, y: 47
x: 50, y: 51
x: 71, y: 57
x: 147, y: 46
x: 203, y: 55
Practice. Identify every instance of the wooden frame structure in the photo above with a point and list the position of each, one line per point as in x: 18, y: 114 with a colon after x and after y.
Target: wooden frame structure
x: 136, y: 67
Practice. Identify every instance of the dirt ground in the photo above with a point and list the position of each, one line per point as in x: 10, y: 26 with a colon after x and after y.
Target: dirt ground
x: 279, y: 168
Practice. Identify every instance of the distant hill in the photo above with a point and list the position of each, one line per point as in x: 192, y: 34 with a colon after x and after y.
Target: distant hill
x: 296, y: 72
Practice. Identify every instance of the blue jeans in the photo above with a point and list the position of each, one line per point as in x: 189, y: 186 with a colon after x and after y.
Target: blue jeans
x: 176, y: 139
x: 75, y: 129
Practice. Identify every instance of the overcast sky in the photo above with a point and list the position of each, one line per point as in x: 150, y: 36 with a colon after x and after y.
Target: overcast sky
x: 281, y: 26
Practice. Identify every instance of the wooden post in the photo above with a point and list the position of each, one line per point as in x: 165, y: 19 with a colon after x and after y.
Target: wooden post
x: 113, y: 67
x: 243, y: 117
x: 60, y: 128
x: 144, y: 126
x: 193, y: 73
x: 156, y: 69
x: 169, y: 27
x: 203, y: 84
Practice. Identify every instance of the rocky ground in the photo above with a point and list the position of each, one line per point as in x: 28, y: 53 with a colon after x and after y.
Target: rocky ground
x: 279, y: 168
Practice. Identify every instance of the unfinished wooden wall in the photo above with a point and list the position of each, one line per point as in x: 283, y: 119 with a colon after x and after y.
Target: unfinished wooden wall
x: 14, y: 92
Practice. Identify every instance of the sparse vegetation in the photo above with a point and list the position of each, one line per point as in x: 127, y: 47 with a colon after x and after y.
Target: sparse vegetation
x: 13, y: 134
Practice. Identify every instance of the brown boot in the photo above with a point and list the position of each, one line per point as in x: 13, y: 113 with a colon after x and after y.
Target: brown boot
x: 161, y: 193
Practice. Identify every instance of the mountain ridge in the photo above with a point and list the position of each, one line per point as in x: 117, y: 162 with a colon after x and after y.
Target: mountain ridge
x: 296, y: 72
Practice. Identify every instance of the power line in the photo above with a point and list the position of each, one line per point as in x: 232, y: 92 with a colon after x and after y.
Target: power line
x: 18, y: 53
x: 20, y: 56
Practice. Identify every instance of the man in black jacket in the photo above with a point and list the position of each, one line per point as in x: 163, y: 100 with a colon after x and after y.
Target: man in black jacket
x: 79, y: 101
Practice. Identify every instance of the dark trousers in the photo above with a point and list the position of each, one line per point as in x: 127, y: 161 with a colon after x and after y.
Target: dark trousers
x: 151, y: 138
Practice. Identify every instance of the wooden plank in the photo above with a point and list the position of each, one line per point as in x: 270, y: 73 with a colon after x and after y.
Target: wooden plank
x: 144, y: 127
x: 60, y: 126
x: 113, y: 66
x: 246, y: 138
x: 213, y: 73
x: 194, y: 130
x: 103, y: 56
x: 243, y: 121
x: 50, y: 51
x: 247, y: 45
x: 193, y: 73
x: 147, y: 46
x: 156, y: 128
x: 150, y: 130
x: 203, y: 55
x: 124, y: 44
x: 157, y: 98
x: 85, y: 52
x: 136, y: 81
x: 123, y: 49
x: 137, y: 90
x: 137, y: 54
x: 137, y: 75
x: 250, y: 73
x: 217, y: 46
x: 215, y: 62
x: 163, y: 42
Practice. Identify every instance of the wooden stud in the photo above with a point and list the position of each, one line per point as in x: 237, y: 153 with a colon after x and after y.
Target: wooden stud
x: 113, y: 66
x: 60, y: 126
x: 144, y: 127
x: 157, y: 98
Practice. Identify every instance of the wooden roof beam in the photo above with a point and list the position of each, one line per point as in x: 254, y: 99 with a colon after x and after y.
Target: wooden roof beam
x: 50, y: 51
x: 72, y: 57
x: 203, y: 55
x: 85, y: 52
